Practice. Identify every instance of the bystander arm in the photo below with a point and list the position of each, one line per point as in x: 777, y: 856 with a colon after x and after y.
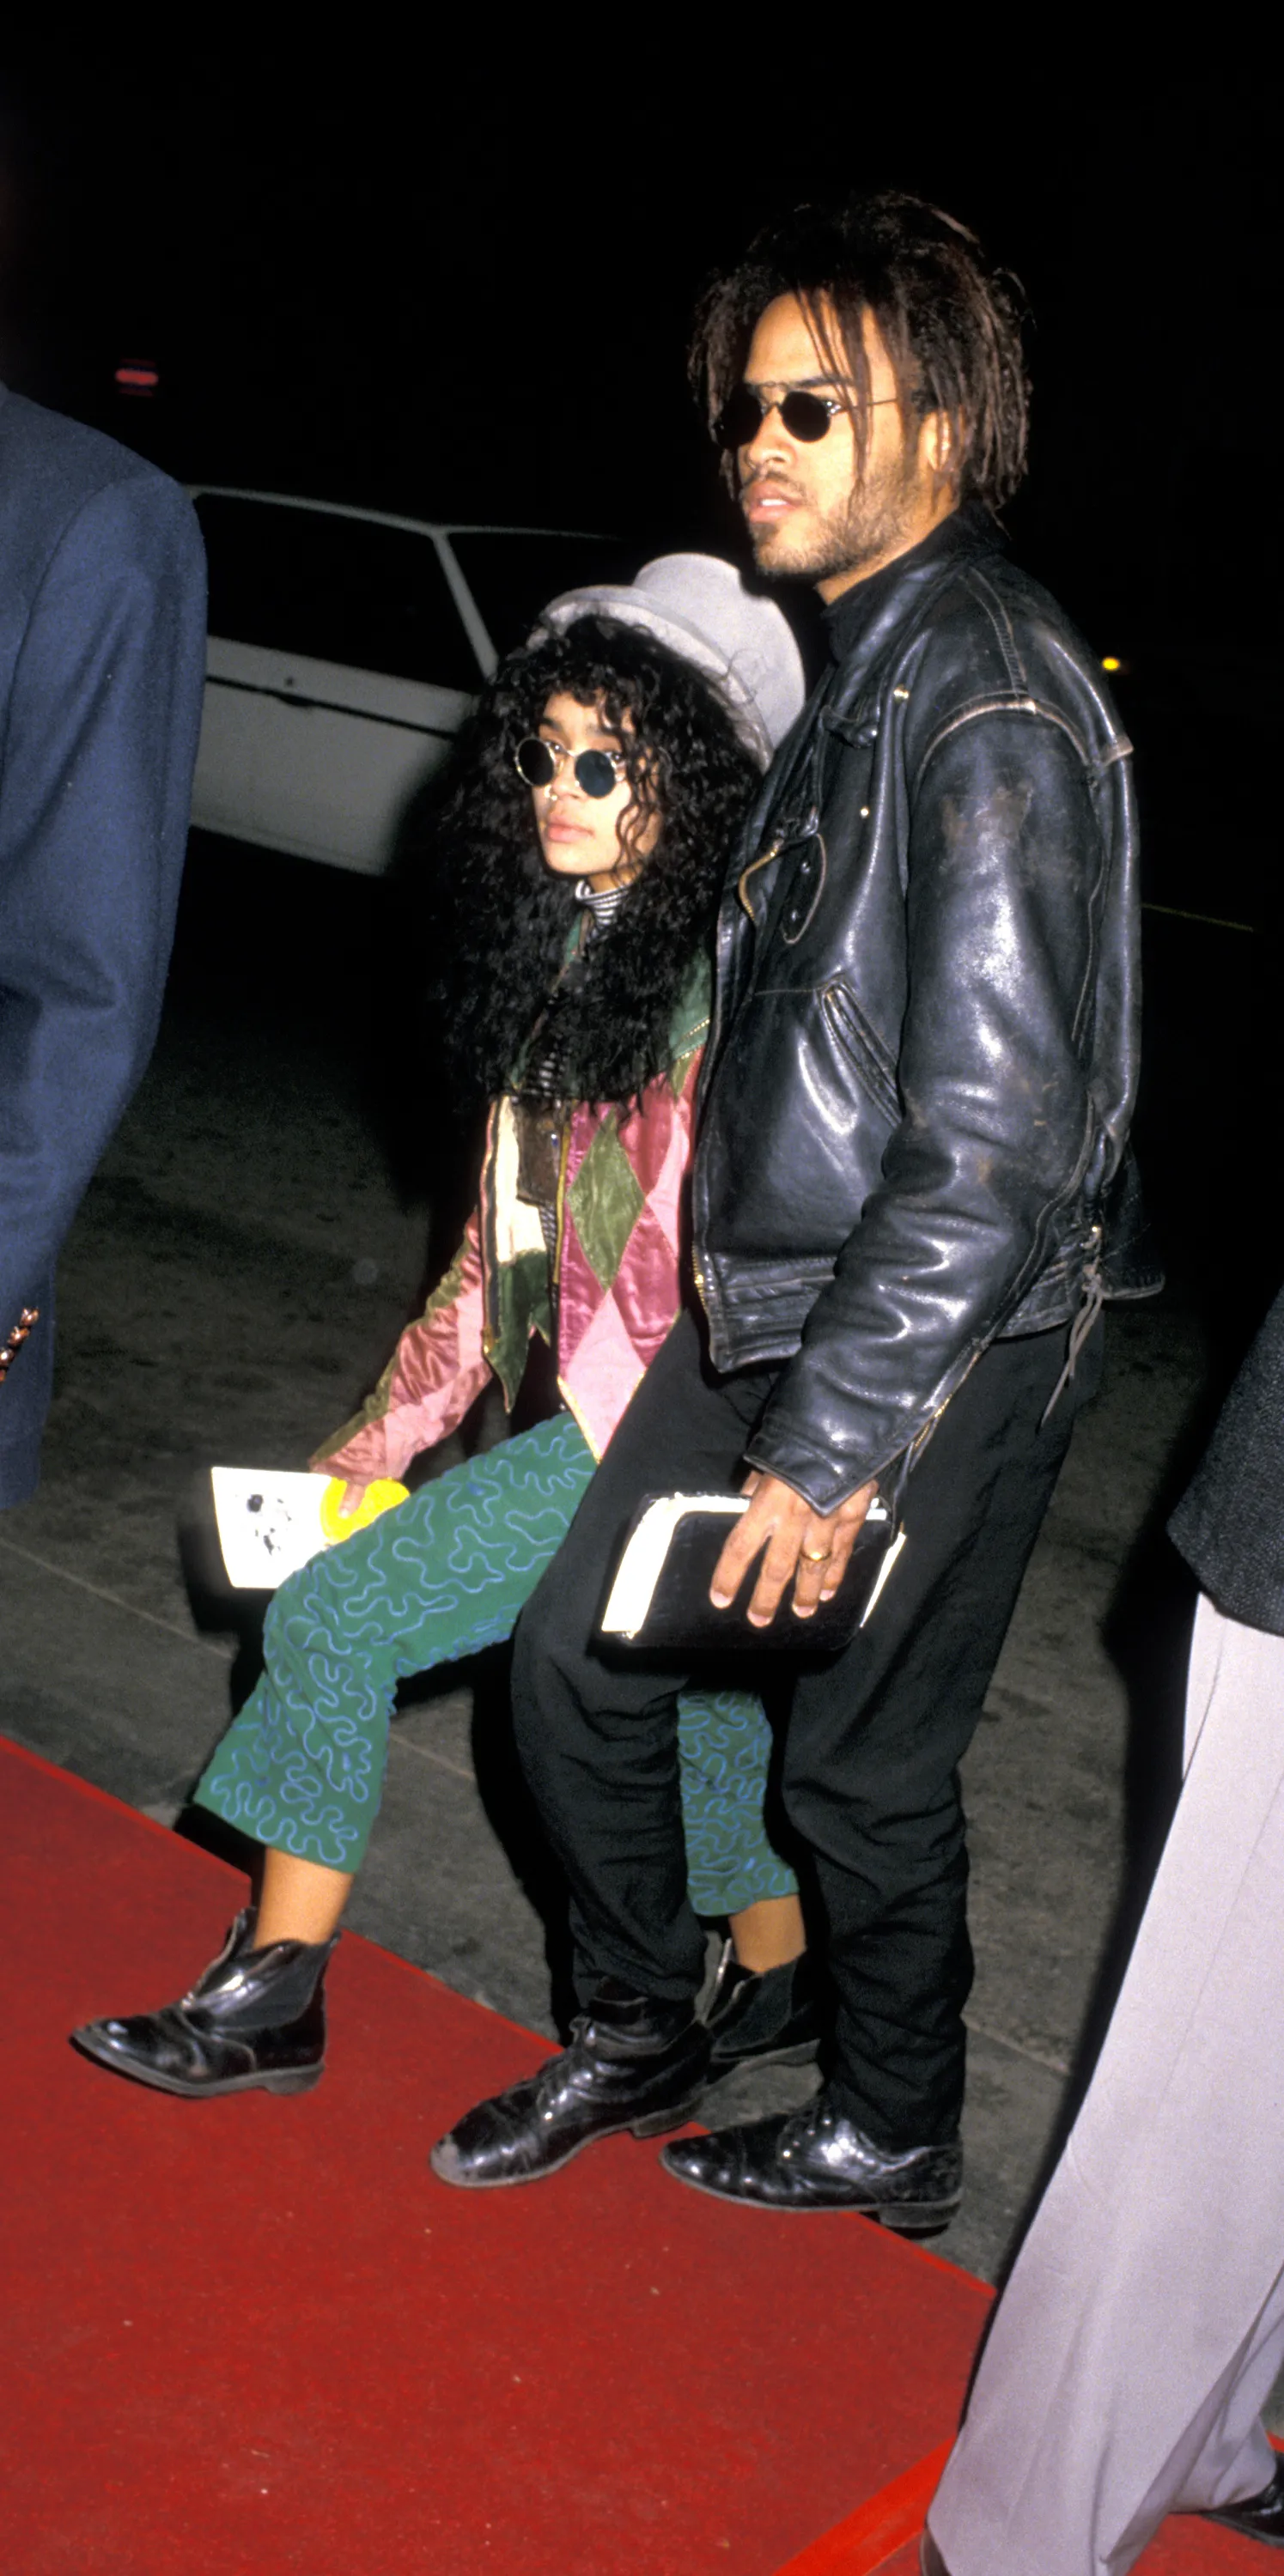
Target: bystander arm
x: 102, y: 625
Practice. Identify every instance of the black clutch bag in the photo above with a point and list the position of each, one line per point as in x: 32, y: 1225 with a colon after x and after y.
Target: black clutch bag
x: 659, y: 1602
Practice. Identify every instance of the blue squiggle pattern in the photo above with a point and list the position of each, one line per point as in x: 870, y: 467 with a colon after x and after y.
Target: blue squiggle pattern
x: 724, y: 1748
x: 444, y: 1575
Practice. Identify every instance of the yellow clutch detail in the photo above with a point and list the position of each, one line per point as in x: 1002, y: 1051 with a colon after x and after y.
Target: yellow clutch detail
x: 381, y: 1496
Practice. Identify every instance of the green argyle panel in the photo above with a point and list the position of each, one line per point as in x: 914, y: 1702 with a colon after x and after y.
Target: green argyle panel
x: 604, y: 1203
x: 520, y: 1308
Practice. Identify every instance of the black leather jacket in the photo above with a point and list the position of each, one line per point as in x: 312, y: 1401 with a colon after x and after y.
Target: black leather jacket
x: 923, y: 1057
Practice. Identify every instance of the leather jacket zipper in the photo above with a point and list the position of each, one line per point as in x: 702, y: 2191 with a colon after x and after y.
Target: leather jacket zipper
x: 1092, y: 1299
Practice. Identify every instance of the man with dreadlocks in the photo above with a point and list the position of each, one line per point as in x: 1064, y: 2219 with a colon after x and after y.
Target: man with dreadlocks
x: 911, y: 1196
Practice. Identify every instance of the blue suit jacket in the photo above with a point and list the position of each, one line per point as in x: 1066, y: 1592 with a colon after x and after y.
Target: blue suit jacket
x: 102, y: 631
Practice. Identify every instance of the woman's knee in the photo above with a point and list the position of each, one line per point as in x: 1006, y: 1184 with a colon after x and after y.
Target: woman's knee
x: 309, y: 1596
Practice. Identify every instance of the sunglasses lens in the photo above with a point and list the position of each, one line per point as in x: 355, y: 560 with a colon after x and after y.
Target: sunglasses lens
x: 534, y: 761
x: 805, y: 417
x: 739, y: 420
x: 596, y: 773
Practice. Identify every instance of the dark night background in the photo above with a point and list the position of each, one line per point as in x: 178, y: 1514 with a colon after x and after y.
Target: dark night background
x: 456, y: 283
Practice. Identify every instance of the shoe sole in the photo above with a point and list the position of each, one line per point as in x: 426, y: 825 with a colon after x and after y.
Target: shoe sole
x: 653, y: 2126
x: 907, y: 2218
x: 299, y: 2080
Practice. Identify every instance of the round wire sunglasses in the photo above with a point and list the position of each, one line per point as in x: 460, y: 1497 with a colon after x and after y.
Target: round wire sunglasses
x: 538, y: 762
x: 805, y: 415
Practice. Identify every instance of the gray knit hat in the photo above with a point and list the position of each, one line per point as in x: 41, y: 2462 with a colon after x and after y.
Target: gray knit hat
x: 699, y: 606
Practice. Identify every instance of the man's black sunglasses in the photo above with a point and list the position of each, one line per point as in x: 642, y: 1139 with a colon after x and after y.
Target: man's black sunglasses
x: 805, y: 415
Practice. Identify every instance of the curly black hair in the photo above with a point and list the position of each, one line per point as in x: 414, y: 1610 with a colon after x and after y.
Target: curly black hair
x: 950, y: 321
x: 501, y: 918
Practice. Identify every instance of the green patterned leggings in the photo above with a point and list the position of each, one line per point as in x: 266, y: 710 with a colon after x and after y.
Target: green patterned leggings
x: 443, y: 1575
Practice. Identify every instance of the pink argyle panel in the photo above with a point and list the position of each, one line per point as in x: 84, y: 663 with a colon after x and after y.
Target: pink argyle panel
x: 601, y: 1375
x: 661, y: 1157
x: 645, y: 1294
x: 607, y: 1338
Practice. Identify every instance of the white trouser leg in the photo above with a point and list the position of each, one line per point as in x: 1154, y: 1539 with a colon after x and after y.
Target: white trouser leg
x: 1143, y: 2324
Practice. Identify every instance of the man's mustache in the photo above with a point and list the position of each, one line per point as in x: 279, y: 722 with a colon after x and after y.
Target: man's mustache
x: 776, y: 482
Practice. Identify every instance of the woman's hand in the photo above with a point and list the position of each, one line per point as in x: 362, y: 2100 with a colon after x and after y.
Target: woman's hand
x: 810, y: 1548
x: 346, y: 1504
x: 353, y: 1503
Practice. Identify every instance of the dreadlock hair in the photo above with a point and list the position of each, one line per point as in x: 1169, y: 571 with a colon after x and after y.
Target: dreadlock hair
x: 949, y: 321
x: 502, y: 918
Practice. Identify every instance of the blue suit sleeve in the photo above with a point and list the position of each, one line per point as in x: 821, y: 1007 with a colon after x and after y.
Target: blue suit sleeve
x: 95, y: 786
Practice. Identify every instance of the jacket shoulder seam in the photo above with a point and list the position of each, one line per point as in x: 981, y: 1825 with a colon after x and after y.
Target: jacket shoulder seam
x: 1008, y: 703
x: 984, y: 591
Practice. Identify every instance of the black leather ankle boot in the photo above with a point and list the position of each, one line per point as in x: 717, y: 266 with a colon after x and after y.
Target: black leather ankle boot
x: 632, y: 2064
x: 256, y: 2017
x: 762, y: 2017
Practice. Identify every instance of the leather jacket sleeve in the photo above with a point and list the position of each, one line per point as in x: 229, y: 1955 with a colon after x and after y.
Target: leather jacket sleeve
x: 1006, y: 882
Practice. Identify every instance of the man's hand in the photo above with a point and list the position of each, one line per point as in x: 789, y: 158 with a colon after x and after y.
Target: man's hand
x: 808, y: 1546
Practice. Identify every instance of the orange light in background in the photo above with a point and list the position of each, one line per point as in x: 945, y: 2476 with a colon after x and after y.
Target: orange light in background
x: 137, y: 376
x: 1111, y: 662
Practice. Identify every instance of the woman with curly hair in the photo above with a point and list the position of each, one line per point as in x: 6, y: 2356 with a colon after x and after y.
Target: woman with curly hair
x: 581, y: 846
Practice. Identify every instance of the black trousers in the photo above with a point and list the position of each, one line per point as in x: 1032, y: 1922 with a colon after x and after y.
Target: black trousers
x: 874, y: 1736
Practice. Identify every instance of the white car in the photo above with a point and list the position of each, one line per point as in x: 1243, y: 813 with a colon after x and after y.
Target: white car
x: 345, y: 648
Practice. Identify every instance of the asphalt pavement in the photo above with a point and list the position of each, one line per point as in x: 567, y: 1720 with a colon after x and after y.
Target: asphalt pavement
x: 241, y: 1266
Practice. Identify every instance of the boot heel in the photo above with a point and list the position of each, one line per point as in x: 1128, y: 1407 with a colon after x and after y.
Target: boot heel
x: 911, y: 2218
x: 303, y: 2082
x: 657, y: 2122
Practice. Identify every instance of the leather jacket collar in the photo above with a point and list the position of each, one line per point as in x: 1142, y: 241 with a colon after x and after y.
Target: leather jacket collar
x: 861, y: 623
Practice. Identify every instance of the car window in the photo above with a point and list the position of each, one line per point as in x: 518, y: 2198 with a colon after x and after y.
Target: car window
x: 342, y: 590
x: 513, y: 577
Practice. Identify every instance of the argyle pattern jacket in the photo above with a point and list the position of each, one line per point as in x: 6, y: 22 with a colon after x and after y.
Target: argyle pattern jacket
x: 604, y: 1300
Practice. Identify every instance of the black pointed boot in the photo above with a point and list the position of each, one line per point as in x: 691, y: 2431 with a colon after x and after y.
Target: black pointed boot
x: 256, y: 2017
x: 762, y: 2017
x: 632, y: 2064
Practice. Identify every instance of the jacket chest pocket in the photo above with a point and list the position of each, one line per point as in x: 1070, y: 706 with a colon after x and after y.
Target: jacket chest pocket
x: 841, y: 828
x: 869, y: 1058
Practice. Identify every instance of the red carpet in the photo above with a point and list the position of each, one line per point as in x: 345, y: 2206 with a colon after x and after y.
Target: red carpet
x: 256, y: 2335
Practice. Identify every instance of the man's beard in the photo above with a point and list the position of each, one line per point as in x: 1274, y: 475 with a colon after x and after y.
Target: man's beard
x: 871, y: 528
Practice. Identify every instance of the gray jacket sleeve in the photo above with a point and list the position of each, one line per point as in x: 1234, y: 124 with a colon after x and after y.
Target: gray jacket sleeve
x: 1229, y: 1524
